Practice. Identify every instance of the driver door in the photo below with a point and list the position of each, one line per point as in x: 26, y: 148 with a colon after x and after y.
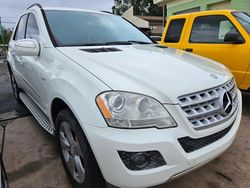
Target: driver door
x: 32, y: 63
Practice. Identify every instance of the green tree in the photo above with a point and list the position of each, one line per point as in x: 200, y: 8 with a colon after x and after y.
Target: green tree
x: 141, y: 7
x: 4, y: 36
x: 120, y: 6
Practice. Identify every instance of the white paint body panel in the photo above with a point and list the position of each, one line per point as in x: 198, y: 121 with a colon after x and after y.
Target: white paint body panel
x: 164, y: 74
x: 77, y: 77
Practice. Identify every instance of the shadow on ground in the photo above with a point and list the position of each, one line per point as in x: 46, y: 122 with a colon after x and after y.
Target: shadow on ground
x: 8, y: 106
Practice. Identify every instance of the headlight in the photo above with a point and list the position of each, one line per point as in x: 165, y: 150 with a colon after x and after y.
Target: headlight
x: 128, y: 110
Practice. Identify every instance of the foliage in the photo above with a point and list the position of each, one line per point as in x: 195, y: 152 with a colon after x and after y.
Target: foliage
x: 141, y: 7
x: 4, y: 36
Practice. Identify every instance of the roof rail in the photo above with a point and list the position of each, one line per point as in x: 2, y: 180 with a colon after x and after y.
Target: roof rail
x: 36, y: 4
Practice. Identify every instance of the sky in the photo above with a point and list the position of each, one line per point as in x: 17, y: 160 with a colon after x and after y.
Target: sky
x: 10, y: 10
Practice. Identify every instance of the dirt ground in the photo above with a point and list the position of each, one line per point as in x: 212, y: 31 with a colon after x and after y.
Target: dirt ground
x: 32, y: 159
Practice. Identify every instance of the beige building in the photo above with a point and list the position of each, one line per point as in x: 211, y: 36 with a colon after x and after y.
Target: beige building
x: 138, y: 22
x: 151, y: 24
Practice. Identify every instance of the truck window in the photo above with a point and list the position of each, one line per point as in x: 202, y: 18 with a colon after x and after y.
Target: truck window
x: 211, y: 29
x: 174, y: 31
x: 244, y: 20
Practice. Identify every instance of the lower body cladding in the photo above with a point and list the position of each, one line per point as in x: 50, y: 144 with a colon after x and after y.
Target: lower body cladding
x: 148, y: 157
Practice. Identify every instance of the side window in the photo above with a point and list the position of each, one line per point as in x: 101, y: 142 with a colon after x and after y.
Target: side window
x: 32, y: 31
x: 20, y: 31
x: 211, y: 29
x: 174, y: 31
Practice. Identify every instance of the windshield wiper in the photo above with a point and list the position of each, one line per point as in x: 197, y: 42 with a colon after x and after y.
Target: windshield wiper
x: 130, y: 42
x: 118, y: 43
x: 106, y: 43
x: 139, y: 42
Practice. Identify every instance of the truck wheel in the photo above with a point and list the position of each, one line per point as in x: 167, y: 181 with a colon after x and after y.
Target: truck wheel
x: 77, y: 156
x: 15, y: 88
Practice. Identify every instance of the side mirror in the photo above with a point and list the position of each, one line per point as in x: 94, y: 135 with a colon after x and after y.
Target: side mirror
x: 156, y: 38
x: 234, y: 38
x: 27, y: 47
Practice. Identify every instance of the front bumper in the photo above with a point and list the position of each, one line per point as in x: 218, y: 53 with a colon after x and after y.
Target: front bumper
x: 106, y: 142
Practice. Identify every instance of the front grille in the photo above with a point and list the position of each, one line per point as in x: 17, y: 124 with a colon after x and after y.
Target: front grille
x: 189, y: 144
x: 205, y: 108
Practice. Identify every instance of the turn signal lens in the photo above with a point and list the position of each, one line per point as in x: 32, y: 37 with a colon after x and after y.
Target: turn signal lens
x: 103, y: 108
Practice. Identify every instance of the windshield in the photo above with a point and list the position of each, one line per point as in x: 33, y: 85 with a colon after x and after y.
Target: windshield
x: 244, y: 19
x: 76, y: 28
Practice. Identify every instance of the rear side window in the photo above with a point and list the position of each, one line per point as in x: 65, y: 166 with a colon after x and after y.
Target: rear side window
x: 20, y: 31
x: 174, y: 31
x: 211, y: 29
x: 244, y: 20
x: 32, y: 31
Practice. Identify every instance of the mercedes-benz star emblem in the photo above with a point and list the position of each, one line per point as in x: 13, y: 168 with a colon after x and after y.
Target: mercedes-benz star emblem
x: 226, y: 103
x: 214, y: 76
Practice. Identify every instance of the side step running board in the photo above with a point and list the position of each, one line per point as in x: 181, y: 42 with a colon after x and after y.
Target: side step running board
x: 37, y: 113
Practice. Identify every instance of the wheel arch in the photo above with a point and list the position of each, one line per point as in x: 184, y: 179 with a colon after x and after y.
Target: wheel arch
x: 56, y: 106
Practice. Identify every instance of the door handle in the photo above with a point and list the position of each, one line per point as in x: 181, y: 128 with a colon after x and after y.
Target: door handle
x: 189, y: 49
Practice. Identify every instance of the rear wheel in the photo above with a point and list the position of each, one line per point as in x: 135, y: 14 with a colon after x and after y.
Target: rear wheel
x: 15, y: 88
x: 77, y: 157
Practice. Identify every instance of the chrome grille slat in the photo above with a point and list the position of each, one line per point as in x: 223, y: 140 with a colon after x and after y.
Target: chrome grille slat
x: 204, y: 114
x: 203, y: 108
x: 199, y: 101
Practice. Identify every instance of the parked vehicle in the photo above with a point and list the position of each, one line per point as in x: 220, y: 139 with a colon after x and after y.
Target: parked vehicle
x: 125, y: 110
x: 221, y: 35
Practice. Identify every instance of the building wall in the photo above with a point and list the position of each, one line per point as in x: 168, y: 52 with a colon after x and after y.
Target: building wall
x: 129, y: 15
x: 243, y: 5
x: 220, y: 5
x: 176, y: 6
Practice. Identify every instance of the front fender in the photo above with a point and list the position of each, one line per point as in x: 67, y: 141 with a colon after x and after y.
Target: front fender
x: 80, y: 98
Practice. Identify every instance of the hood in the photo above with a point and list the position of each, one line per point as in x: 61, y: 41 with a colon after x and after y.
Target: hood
x: 163, y: 73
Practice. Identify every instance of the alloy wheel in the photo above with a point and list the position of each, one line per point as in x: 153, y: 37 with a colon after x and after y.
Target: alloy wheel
x: 72, y: 152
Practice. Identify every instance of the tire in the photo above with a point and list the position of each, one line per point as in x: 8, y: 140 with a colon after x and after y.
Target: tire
x: 15, y: 88
x: 76, y: 154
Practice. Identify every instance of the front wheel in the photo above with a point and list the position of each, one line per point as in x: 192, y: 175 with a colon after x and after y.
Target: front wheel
x: 77, y: 156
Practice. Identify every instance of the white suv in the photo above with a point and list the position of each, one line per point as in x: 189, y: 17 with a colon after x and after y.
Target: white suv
x: 125, y: 110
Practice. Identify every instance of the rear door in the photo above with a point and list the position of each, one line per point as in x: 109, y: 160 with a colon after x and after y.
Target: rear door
x: 174, y: 31
x: 205, y: 37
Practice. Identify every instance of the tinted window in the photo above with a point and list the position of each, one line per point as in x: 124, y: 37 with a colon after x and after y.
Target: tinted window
x: 20, y: 31
x: 211, y: 29
x: 174, y: 31
x: 32, y: 31
x: 244, y: 19
x: 76, y: 28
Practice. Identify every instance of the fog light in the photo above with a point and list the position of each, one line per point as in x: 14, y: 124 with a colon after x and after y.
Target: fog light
x: 142, y: 160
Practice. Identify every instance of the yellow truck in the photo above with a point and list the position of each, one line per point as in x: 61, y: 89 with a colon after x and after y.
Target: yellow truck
x: 222, y: 35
